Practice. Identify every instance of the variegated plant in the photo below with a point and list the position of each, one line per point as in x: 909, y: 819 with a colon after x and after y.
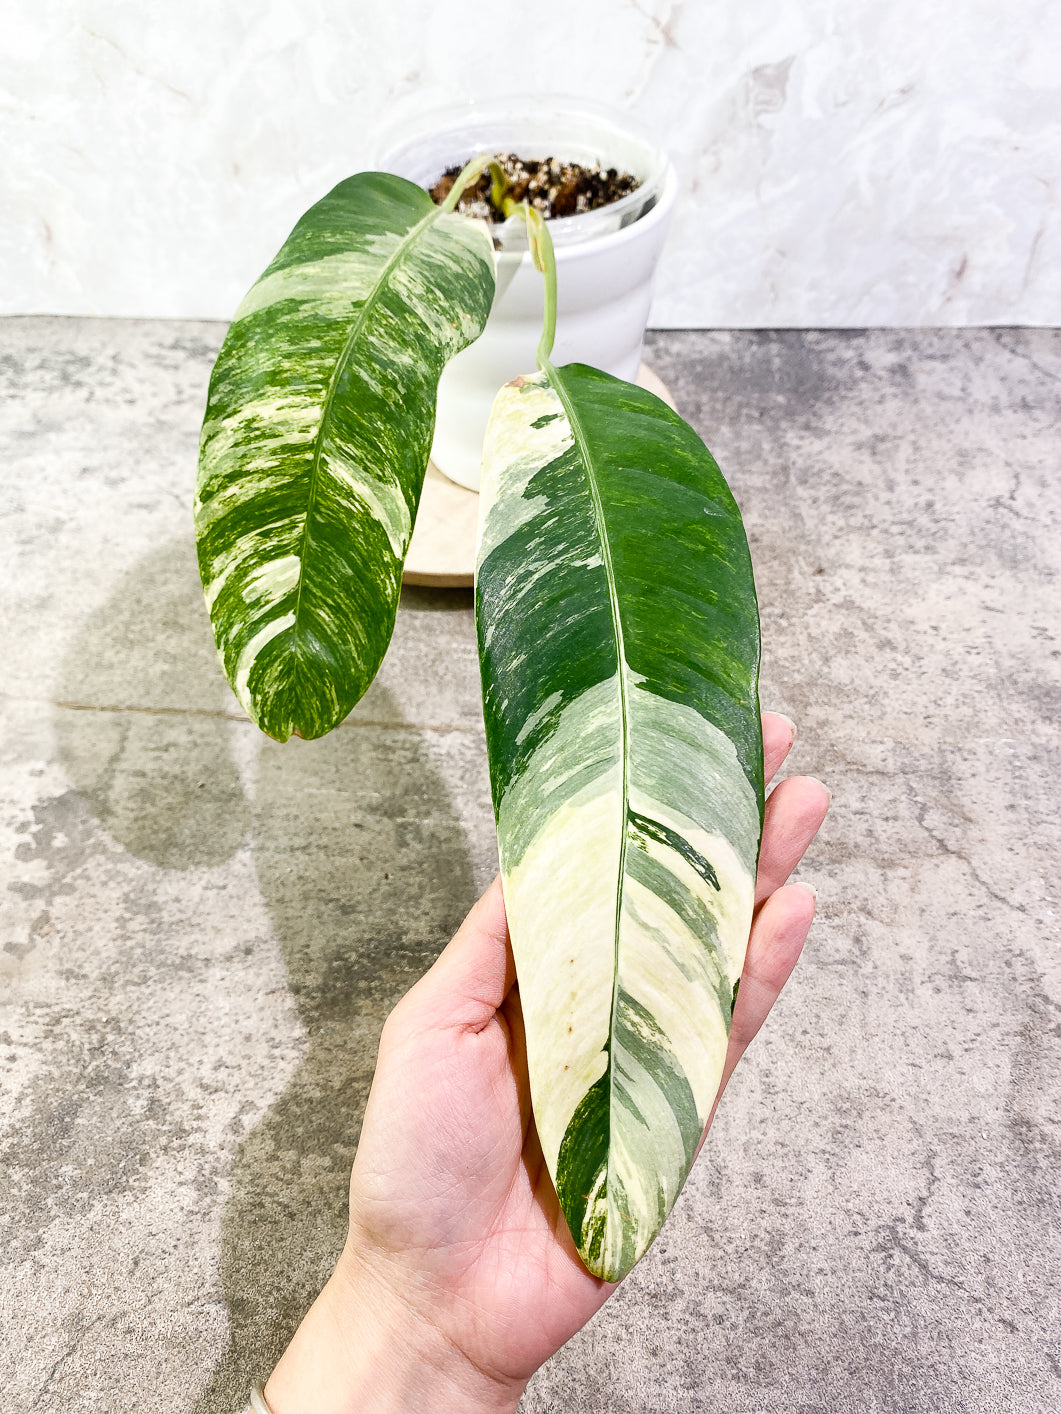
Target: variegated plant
x: 316, y: 439
x: 619, y: 644
x: 619, y: 647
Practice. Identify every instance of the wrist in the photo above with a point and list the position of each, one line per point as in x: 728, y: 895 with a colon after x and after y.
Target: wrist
x: 362, y: 1350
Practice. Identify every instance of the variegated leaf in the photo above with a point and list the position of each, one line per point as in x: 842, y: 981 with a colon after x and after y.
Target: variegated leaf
x: 316, y: 440
x: 619, y: 646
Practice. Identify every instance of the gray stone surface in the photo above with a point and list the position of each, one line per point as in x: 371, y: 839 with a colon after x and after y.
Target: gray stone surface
x: 202, y: 931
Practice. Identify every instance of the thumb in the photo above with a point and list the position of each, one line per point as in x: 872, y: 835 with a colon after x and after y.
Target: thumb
x: 472, y: 975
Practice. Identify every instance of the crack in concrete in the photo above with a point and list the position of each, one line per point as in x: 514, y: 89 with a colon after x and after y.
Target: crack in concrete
x: 923, y: 1265
x: 1027, y: 358
x: 66, y: 1355
x: 220, y: 713
x: 921, y: 809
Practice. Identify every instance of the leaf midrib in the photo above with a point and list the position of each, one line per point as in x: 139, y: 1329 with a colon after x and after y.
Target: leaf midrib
x: 620, y: 650
x: 356, y: 329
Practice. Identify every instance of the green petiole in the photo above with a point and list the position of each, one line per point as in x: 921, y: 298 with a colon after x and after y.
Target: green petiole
x: 541, y: 243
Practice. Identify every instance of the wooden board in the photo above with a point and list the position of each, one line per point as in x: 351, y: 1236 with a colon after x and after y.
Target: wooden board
x: 442, y: 551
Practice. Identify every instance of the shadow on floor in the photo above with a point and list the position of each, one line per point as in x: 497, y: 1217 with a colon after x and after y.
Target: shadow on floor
x: 363, y: 866
x: 163, y: 783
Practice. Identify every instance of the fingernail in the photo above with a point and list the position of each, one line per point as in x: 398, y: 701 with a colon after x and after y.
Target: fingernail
x: 825, y: 788
x: 790, y: 723
x: 802, y: 884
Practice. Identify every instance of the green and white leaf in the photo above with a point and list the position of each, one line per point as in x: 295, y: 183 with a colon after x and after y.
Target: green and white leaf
x: 316, y: 439
x: 619, y: 646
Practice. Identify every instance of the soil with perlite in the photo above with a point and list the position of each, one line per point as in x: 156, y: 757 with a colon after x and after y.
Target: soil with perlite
x: 552, y: 187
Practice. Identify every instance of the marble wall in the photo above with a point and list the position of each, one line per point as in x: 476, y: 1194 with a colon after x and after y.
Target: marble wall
x: 846, y: 162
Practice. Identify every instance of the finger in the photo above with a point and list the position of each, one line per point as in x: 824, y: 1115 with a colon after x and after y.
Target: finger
x: 778, y: 735
x: 794, y: 812
x: 776, y: 941
x: 472, y: 975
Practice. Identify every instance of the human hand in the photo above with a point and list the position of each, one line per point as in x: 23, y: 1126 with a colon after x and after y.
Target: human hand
x: 459, y: 1277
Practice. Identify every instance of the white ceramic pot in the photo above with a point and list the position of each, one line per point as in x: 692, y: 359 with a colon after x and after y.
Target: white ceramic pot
x: 605, y: 259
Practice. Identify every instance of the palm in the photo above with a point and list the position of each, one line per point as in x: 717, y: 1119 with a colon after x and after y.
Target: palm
x: 450, y: 1196
x: 469, y: 1210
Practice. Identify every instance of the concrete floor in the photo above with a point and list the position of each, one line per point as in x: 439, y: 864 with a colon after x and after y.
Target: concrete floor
x: 203, y: 931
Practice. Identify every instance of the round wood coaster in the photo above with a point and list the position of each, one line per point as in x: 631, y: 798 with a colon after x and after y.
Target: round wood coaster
x: 442, y: 550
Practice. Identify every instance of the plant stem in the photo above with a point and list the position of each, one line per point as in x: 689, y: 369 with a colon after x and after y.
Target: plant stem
x: 503, y: 203
x: 541, y: 243
x: 544, y: 257
x: 470, y: 174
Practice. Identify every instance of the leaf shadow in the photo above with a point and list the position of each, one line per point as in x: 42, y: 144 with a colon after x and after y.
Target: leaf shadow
x: 141, y: 723
x: 364, y: 869
x: 365, y: 872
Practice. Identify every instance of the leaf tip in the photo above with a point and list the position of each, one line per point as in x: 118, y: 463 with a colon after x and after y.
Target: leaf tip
x: 609, y: 1271
x: 271, y: 730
